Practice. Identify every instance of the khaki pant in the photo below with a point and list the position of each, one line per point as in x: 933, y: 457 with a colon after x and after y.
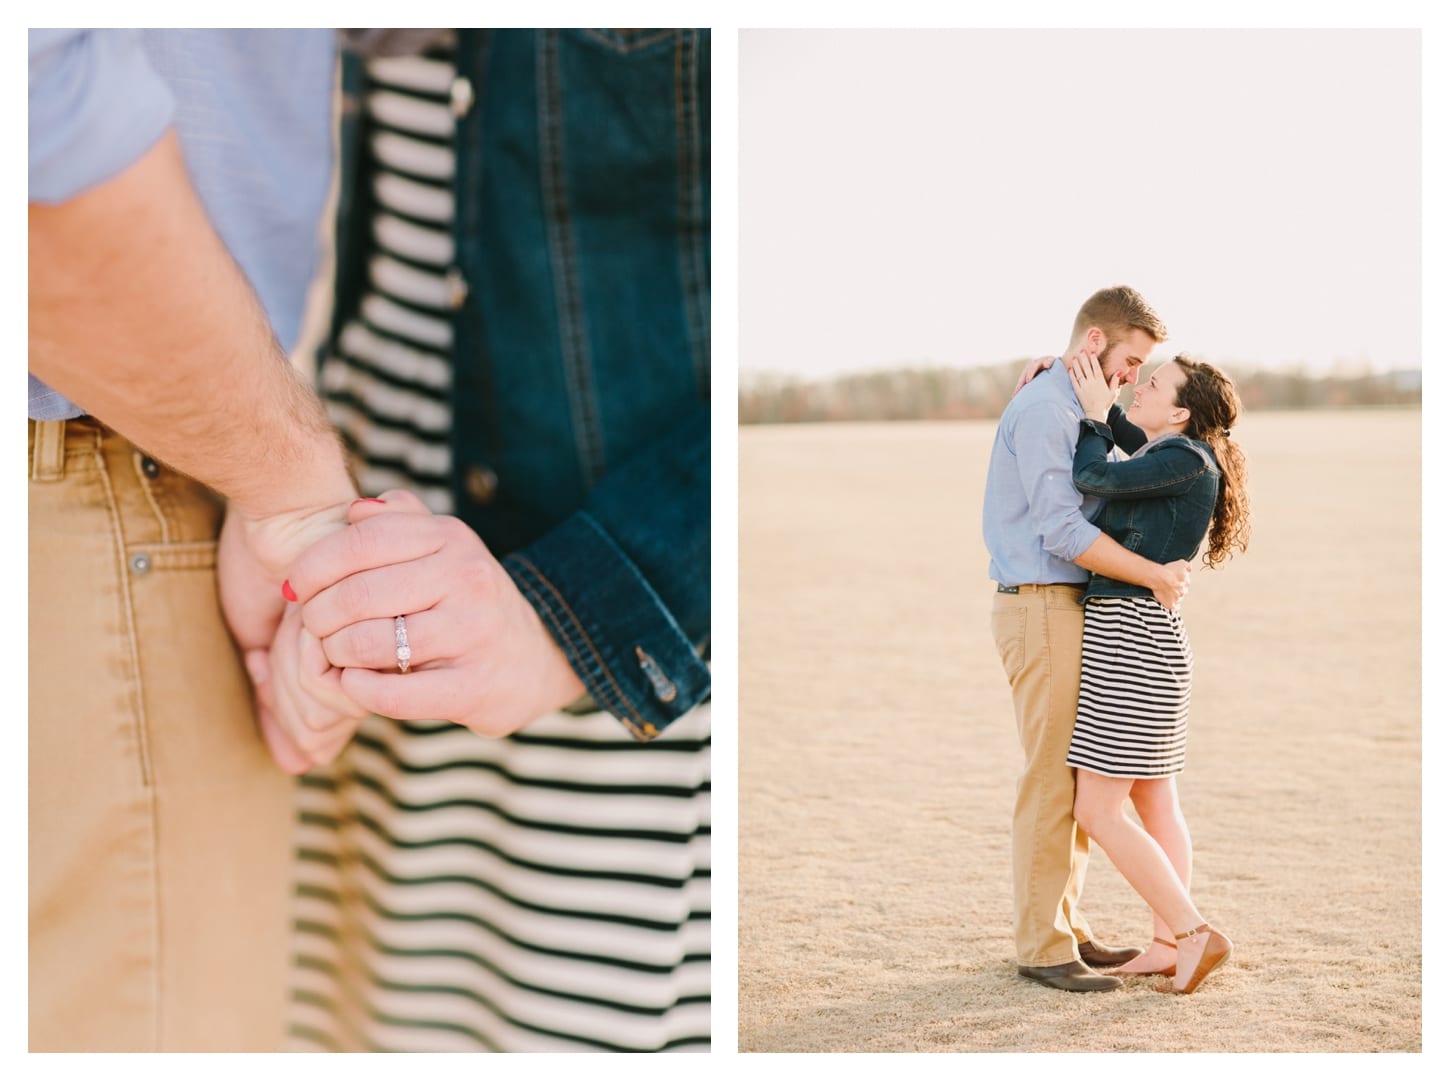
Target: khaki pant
x: 160, y: 830
x: 1038, y: 632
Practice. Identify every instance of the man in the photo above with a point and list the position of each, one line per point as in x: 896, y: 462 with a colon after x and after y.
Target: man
x: 1043, y: 545
x: 159, y: 828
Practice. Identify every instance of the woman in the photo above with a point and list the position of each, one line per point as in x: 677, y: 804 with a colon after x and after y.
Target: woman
x: 521, y: 338
x: 1183, y: 481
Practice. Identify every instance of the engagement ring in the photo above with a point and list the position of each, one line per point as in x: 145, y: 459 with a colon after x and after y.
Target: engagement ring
x: 400, y: 637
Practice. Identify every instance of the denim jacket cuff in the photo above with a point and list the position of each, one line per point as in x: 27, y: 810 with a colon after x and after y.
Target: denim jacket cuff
x: 619, y: 638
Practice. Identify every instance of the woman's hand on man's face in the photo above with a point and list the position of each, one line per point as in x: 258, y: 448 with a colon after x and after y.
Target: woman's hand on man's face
x: 1096, y: 393
x: 481, y: 656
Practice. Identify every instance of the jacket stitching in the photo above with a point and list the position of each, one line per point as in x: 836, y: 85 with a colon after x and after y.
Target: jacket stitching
x: 691, y: 253
x: 624, y: 48
x: 573, y: 336
x: 583, y: 636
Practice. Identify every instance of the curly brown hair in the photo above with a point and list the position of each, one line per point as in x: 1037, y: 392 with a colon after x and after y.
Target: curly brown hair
x: 1213, y: 409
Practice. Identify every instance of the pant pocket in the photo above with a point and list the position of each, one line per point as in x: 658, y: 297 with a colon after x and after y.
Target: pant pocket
x: 1009, y: 631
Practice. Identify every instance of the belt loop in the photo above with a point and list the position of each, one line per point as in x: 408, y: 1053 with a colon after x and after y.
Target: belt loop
x: 47, y: 462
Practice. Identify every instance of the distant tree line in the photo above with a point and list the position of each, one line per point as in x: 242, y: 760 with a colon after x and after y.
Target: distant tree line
x: 974, y: 393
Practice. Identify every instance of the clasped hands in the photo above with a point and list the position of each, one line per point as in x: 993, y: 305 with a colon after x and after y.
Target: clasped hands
x: 321, y: 657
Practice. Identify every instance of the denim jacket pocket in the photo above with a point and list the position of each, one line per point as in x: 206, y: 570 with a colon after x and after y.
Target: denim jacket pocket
x: 626, y: 42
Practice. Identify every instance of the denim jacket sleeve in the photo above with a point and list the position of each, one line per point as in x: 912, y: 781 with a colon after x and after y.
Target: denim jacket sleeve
x: 1168, y: 469
x: 623, y: 584
x: 1127, y: 435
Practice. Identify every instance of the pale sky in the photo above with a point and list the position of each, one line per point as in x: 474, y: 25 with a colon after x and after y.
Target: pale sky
x: 951, y: 197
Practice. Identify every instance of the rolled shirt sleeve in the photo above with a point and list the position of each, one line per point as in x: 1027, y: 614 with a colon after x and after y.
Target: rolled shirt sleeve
x: 96, y: 106
x: 1045, y: 440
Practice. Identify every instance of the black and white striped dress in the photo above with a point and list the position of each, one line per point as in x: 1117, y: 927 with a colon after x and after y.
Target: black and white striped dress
x: 1137, y: 673
x: 548, y: 891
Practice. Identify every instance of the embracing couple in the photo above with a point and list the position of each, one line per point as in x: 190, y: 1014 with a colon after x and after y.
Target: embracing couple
x: 1091, y: 517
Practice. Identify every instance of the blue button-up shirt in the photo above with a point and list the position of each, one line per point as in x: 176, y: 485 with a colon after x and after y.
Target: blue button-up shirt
x: 252, y: 109
x: 1035, y: 522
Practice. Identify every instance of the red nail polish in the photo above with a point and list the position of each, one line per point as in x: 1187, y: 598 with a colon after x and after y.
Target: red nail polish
x: 288, y: 591
x: 370, y: 500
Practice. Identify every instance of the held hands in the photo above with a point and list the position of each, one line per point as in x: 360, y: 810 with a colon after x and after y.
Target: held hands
x: 1096, y: 393
x: 304, y: 718
x: 481, y: 656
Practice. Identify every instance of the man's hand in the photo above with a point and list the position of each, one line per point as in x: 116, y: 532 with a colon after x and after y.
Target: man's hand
x: 1168, y: 581
x: 304, y: 717
x: 1033, y: 368
x: 1173, y: 586
x: 482, y: 657
x: 253, y: 557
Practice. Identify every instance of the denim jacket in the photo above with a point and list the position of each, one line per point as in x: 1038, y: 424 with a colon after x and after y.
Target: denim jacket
x: 1159, y: 503
x: 581, y: 340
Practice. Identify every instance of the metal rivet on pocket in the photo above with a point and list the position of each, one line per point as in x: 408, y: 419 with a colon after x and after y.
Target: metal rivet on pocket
x: 140, y: 563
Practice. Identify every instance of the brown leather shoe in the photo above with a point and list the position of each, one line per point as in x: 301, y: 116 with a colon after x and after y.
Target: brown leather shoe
x: 1073, y: 976
x: 1095, y: 953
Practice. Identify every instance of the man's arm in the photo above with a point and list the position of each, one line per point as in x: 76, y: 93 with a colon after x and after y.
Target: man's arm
x: 140, y: 316
x: 1045, y: 442
x: 1168, y: 581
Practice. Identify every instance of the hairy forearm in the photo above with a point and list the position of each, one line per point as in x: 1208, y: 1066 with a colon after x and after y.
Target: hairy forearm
x: 1107, y: 557
x: 139, y: 315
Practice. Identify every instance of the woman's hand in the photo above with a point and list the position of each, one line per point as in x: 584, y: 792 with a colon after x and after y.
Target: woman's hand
x: 1031, y: 371
x: 1094, y: 392
x: 481, y: 656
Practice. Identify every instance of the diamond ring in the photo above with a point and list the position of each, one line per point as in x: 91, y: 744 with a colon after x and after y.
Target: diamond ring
x: 400, y: 638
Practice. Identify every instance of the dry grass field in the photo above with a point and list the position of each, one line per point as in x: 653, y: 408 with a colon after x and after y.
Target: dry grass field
x: 878, y: 756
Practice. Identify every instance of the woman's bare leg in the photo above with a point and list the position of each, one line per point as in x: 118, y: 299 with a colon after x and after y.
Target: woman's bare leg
x: 1156, y: 801
x: 1099, y: 809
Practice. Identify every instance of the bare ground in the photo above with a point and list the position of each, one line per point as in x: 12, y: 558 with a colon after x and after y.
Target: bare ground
x: 878, y: 756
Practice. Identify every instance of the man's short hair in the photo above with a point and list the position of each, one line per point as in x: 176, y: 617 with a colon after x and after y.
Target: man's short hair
x: 1116, y: 311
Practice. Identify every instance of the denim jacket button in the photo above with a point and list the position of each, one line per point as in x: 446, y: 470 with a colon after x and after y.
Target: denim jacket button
x: 460, y: 97
x: 660, y: 683
x: 457, y: 287
x: 481, y: 483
